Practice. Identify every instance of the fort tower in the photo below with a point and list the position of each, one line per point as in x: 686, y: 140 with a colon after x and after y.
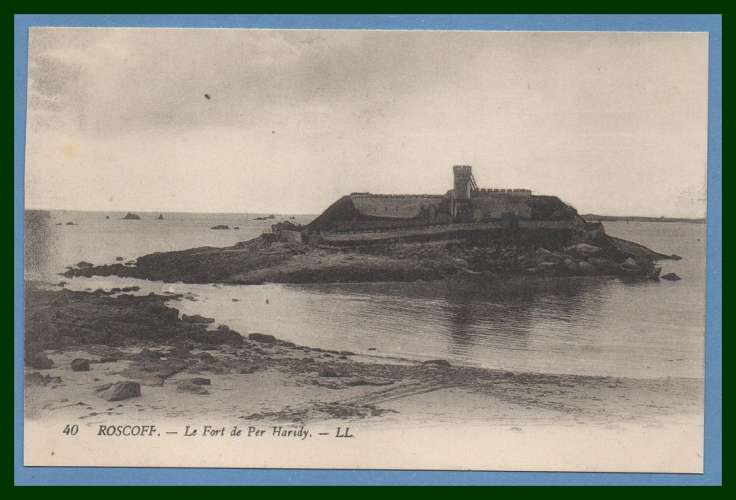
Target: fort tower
x: 464, y: 184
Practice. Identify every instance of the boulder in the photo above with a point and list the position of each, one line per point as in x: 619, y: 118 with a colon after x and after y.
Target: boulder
x: 40, y: 362
x: 583, y: 250
x: 191, y: 388
x: 654, y: 273
x: 152, y: 381
x: 147, y: 354
x: 671, y: 277
x: 36, y: 378
x: 206, y: 357
x: 437, y: 362
x: 603, y: 263
x: 223, y: 335
x: 262, y: 337
x: 587, y: 267
x: 120, y: 391
x: 196, y: 381
x: 571, y: 265
x: 196, y: 318
x: 80, y: 365
x: 630, y: 266
x: 82, y: 264
x: 326, y: 371
x: 544, y: 255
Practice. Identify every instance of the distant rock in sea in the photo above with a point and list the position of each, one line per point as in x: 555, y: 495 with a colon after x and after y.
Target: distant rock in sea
x: 71, y: 223
x: 671, y: 277
x: 131, y: 216
x: 160, y: 217
x: 107, y: 217
x: 220, y: 226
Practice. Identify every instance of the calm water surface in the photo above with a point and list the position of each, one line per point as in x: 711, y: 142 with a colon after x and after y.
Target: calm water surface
x: 590, y: 326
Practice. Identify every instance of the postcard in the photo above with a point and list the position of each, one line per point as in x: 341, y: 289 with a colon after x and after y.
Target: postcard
x: 402, y: 249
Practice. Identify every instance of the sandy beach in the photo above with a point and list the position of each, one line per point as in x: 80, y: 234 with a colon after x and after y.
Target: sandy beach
x: 193, y: 372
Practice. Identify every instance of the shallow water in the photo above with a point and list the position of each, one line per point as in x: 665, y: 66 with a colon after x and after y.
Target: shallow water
x: 590, y: 326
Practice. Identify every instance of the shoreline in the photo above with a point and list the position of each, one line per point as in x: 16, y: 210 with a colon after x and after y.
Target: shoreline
x: 278, y: 381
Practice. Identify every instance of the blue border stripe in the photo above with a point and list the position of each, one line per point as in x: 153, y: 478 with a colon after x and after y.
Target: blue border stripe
x: 201, y: 476
x: 670, y: 22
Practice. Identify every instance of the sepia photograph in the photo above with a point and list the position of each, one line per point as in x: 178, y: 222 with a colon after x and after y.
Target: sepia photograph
x: 365, y: 249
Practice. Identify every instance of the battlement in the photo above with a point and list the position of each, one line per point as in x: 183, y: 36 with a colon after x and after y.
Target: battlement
x: 462, y: 169
x: 492, y: 191
x: 464, y: 203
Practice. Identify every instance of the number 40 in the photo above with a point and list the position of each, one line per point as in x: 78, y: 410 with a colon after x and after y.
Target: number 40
x: 70, y: 430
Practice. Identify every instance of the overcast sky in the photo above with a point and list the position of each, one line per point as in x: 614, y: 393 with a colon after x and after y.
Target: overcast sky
x: 119, y: 119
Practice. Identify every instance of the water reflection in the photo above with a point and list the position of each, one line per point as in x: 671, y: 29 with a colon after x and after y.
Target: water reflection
x: 468, y: 319
x: 579, y: 325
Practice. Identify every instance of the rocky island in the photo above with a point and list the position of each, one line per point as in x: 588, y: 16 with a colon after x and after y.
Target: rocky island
x: 86, y: 350
x: 468, y: 231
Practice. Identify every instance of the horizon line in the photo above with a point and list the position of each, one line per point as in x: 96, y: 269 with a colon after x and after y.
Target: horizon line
x: 703, y: 217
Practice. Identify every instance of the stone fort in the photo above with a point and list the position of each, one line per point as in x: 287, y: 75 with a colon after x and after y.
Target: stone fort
x: 464, y: 203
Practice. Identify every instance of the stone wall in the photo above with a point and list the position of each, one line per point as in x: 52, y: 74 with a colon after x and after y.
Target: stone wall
x: 440, y: 232
x: 289, y: 236
x: 398, y: 206
x: 496, y: 204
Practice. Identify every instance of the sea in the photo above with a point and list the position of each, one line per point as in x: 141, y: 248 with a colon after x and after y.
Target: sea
x: 597, y: 326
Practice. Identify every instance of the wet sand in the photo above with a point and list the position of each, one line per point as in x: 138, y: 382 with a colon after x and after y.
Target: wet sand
x: 504, y: 420
x: 263, y: 378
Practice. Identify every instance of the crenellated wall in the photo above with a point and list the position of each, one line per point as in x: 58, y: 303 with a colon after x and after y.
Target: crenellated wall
x: 465, y: 203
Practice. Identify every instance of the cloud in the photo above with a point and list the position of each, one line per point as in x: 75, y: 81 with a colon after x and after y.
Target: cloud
x: 610, y: 121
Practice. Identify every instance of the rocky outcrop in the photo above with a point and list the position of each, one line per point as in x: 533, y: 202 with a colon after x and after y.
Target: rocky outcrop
x: 567, y: 251
x: 220, y: 227
x: 195, y: 385
x: 671, y: 277
x: 53, y: 320
x: 262, y: 338
x: 131, y: 216
x: 437, y: 362
x: 39, y: 379
x: 80, y: 365
x: 119, y: 391
x: 39, y: 362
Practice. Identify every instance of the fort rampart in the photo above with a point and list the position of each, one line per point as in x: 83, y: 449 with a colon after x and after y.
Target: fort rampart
x: 399, y: 206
